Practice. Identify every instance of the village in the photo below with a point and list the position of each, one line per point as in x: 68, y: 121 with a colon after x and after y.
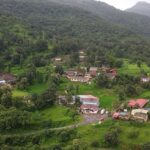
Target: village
x: 90, y: 105
x: 135, y: 110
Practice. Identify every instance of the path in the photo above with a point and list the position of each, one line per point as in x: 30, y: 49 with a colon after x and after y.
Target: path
x: 87, y: 120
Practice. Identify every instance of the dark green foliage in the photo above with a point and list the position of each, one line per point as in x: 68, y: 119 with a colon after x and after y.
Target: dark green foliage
x: 146, y: 146
x: 102, y: 81
x: 13, y: 119
x: 111, y: 138
x: 6, y: 96
x: 59, y: 69
x: 133, y: 134
x: 67, y: 135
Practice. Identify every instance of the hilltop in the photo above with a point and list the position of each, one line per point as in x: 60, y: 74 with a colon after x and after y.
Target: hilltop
x: 142, y: 8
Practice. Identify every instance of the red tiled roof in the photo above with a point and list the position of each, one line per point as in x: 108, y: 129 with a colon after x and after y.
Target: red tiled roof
x: 141, y: 102
x: 116, y: 115
x: 138, y: 103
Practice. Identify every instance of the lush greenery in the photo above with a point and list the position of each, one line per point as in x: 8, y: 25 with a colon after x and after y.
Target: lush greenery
x: 32, y: 34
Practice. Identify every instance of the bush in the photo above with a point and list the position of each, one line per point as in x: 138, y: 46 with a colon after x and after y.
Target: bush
x: 111, y: 138
x: 95, y: 144
x: 146, y: 146
x: 133, y: 134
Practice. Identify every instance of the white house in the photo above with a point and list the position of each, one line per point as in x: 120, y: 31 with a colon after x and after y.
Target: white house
x: 2, y: 81
x: 87, y: 99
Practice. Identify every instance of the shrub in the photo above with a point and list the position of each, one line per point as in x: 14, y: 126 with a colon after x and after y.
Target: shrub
x: 111, y: 138
x: 133, y: 134
x: 95, y: 143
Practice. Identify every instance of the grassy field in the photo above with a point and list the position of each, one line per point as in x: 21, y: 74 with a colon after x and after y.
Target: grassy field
x: 133, y: 69
x: 58, y: 114
x: 19, y: 93
x: 92, y: 133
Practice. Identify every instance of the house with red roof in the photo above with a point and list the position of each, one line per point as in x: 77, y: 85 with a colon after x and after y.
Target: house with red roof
x: 139, y: 103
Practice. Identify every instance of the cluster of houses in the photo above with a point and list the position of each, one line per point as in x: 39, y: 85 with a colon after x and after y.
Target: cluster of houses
x: 137, y: 111
x: 85, y: 75
x: 89, y: 103
x: 7, y: 78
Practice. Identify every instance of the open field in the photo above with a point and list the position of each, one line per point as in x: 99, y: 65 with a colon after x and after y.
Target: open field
x: 133, y: 69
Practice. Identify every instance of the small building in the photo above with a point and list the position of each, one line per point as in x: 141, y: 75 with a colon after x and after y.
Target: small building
x: 89, y: 109
x: 2, y: 82
x: 79, y: 79
x: 111, y: 73
x: 88, y: 99
x: 71, y: 72
x: 58, y: 59
x: 145, y: 79
x: 121, y: 115
x: 93, y: 71
x: 139, y: 103
x: 62, y: 99
x: 7, y: 78
x: 139, y: 115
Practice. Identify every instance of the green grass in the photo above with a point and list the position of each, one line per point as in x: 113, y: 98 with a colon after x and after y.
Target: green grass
x: 19, y: 93
x: 133, y: 69
x: 37, y: 88
x: 17, y: 70
x: 57, y: 114
x: 88, y: 134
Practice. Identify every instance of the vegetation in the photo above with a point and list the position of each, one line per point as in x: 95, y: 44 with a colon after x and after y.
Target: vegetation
x: 32, y: 34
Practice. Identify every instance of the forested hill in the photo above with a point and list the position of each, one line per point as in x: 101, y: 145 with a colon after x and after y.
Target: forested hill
x: 58, y: 20
x: 137, y: 23
x: 55, y: 22
x: 142, y: 8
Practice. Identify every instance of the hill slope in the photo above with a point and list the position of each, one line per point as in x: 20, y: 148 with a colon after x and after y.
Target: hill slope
x: 142, y: 8
x: 137, y: 23
x: 57, y: 22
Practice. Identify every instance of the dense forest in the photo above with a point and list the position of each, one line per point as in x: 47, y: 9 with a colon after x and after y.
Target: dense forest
x: 55, y: 22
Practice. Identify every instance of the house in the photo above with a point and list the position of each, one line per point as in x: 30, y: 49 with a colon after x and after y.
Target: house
x: 93, y: 71
x: 139, y: 103
x: 7, y: 78
x: 139, y: 114
x: 2, y: 82
x: 62, y: 99
x: 58, y: 59
x: 121, y: 115
x: 79, y: 79
x: 88, y: 99
x: 145, y: 79
x: 82, y: 58
x: 111, y: 73
x: 71, y: 72
x: 89, y: 109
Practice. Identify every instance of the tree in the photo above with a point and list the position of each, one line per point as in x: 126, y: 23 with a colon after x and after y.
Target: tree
x: 13, y: 119
x: 130, y: 90
x: 48, y: 98
x: 102, y: 80
x: 6, y: 96
x: 59, y: 69
x: 23, y: 83
x: 122, y: 95
x: 139, y: 63
x: 111, y: 138
x: 41, y: 45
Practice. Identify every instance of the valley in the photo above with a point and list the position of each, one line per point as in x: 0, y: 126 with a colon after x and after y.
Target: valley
x: 73, y: 76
